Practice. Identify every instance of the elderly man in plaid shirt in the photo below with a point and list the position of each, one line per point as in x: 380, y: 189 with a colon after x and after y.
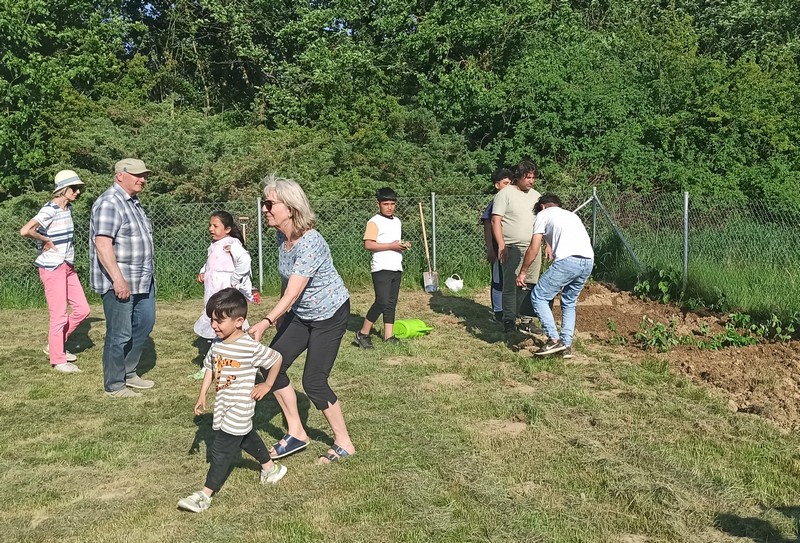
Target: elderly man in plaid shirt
x: 123, y: 273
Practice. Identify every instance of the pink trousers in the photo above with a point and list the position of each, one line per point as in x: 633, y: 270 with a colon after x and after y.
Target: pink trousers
x: 62, y: 287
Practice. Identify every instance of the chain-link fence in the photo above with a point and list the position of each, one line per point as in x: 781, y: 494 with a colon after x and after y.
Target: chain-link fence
x: 745, y: 255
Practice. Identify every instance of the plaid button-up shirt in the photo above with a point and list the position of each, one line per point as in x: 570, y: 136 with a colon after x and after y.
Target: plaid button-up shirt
x: 121, y: 217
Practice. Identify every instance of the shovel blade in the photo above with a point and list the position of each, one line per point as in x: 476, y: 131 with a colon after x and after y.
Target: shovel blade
x: 430, y: 280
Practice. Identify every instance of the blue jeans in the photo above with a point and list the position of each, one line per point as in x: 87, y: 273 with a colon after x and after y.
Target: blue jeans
x: 568, y: 275
x: 128, y: 323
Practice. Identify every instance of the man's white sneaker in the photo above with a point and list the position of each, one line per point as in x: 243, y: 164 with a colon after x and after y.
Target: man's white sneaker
x: 196, y: 503
x: 138, y: 382
x: 70, y: 357
x: 274, y: 475
x: 67, y: 367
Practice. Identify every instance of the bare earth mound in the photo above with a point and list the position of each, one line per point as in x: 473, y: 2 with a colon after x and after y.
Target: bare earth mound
x: 760, y: 379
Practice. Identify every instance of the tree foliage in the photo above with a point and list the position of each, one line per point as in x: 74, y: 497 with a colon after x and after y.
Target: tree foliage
x: 642, y: 95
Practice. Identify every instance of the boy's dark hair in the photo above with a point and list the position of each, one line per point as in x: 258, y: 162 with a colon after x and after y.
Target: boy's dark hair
x: 228, y: 302
x: 524, y: 168
x: 386, y: 194
x: 227, y: 221
x: 501, y: 173
x: 546, y: 199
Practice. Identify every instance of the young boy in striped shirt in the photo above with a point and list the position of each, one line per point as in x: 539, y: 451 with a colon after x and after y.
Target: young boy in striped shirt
x: 231, y: 364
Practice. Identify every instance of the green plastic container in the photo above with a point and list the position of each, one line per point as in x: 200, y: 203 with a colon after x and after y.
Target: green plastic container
x: 408, y: 328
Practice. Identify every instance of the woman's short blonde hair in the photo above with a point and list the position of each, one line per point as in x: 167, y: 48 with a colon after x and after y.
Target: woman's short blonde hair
x: 292, y: 195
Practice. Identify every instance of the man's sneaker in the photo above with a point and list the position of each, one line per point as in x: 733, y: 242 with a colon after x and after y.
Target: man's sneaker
x: 362, y: 341
x: 498, y: 316
x: 67, y: 367
x: 274, y: 475
x: 509, y: 327
x: 138, y: 382
x: 197, y: 502
x: 567, y: 353
x: 392, y: 340
x: 123, y: 393
x: 70, y: 357
x: 552, y: 346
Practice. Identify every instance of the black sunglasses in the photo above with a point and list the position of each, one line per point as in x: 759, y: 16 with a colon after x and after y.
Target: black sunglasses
x: 269, y: 203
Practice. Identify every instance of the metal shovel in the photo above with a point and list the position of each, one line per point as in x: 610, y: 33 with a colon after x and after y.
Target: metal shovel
x: 430, y: 278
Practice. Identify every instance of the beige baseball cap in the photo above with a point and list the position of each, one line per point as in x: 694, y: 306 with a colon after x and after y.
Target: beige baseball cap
x: 131, y: 165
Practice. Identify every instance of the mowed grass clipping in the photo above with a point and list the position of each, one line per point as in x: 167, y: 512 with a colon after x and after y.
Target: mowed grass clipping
x: 459, y: 439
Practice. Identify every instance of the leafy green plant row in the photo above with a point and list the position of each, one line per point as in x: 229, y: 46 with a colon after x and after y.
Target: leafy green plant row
x: 739, y: 331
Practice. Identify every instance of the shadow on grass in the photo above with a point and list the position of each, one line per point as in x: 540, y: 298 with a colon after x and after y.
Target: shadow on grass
x: 202, y: 345
x: 79, y: 340
x: 476, y: 318
x: 148, y: 360
x: 757, y: 529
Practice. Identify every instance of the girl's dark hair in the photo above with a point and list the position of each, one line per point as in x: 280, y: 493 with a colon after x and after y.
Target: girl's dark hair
x: 227, y: 221
x: 228, y: 302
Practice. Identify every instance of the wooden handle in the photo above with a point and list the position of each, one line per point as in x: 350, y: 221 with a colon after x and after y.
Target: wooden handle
x: 425, y: 237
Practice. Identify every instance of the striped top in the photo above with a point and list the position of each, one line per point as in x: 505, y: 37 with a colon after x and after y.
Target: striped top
x: 235, y: 366
x: 120, y: 217
x: 56, y: 224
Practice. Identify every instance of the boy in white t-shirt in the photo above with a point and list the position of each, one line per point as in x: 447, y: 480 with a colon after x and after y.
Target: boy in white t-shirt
x: 383, y: 237
x: 573, y: 259
x: 232, y: 363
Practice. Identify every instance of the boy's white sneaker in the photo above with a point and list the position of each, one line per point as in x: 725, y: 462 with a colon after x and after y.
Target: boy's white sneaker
x: 274, y: 475
x: 196, y: 503
x: 70, y: 357
x: 67, y: 367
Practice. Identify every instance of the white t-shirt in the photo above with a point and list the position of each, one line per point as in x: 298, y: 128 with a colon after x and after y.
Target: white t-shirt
x: 565, y: 233
x: 385, y: 230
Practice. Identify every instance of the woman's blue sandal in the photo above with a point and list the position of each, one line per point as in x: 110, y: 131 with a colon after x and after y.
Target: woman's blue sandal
x: 337, y: 454
x: 292, y: 446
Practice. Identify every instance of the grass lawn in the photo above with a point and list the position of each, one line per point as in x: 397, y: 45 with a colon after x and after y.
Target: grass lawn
x: 459, y: 439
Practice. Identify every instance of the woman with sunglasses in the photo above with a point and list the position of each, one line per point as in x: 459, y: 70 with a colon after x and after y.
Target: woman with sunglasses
x: 53, y: 231
x: 311, y: 316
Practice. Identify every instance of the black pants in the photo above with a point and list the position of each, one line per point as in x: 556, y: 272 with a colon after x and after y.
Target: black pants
x: 225, y: 450
x: 387, y: 289
x: 322, y: 339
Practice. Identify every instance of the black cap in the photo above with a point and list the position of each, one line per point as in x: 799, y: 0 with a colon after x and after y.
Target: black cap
x: 385, y: 194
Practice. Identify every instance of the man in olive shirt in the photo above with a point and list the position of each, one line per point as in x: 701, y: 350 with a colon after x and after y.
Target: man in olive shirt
x: 512, y: 224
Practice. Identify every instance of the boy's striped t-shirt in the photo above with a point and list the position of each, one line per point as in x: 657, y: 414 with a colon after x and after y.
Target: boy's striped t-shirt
x: 234, y: 366
x: 56, y: 224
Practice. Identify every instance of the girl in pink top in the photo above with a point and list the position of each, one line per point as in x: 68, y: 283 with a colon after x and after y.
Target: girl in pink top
x: 228, y: 265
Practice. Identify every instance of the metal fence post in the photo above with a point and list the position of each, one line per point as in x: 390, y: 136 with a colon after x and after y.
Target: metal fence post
x: 260, y: 247
x: 685, y: 242
x: 433, y: 227
x: 594, y: 217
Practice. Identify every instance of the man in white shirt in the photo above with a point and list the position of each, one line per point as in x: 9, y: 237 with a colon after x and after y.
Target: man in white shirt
x: 573, y: 259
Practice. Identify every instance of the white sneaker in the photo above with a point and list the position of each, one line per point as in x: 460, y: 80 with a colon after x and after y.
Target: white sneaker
x: 67, y: 367
x: 70, y: 357
x: 196, y: 503
x: 138, y: 382
x: 274, y: 475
